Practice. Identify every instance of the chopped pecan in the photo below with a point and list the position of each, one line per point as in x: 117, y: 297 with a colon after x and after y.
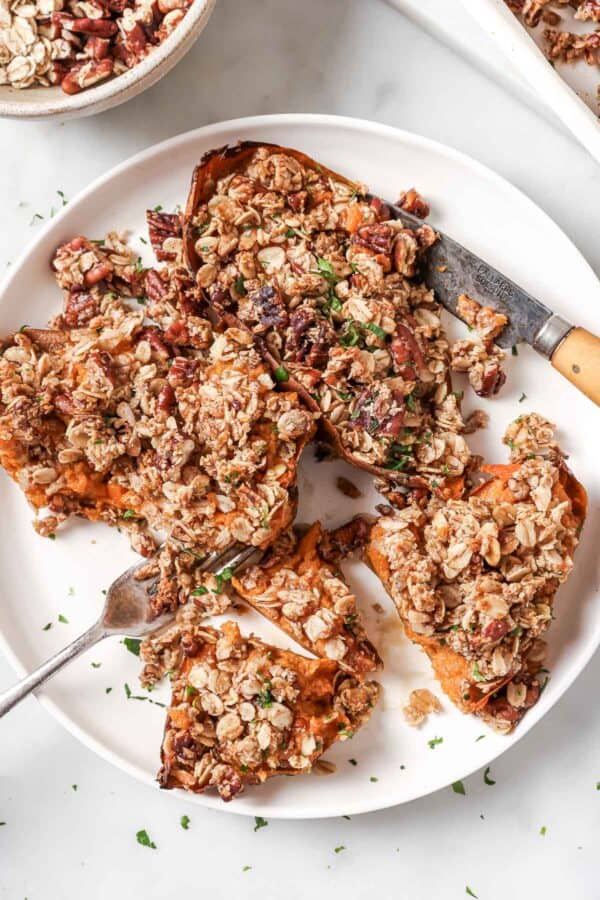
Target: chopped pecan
x: 267, y: 308
x: 182, y: 371
x: 177, y: 333
x: 160, y: 227
x: 405, y: 253
x: 156, y: 288
x: 310, y: 338
x: 79, y: 307
x: 377, y: 238
x: 412, y: 202
x: 298, y: 200
x: 406, y: 353
x: 166, y: 399
x: 84, y: 75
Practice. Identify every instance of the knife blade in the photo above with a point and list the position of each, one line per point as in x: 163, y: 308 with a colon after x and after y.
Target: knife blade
x: 450, y: 269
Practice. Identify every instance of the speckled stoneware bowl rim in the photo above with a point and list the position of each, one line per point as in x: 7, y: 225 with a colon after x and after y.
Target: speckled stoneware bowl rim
x: 116, y: 90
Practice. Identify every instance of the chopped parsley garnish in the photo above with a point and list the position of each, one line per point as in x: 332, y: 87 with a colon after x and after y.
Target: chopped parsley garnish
x: 246, y: 868
x: 199, y: 591
x: 143, y: 838
x: 326, y: 270
x: 333, y: 302
x: 63, y: 619
x: 353, y: 762
x: 190, y: 691
x: 158, y: 208
x: 239, y: 285
x: 398, y: 465
x: 434, y: 742
x: 221, y: 578
x: 47, y: 627
x: 522, y: 397
x: 339, y: 849
x: 514, y: 350
x: 295, y: 232
x: 265, y: 697
x: 486, y: 777
x: 74, y: 787
x: 351, y: 335
x: 376, y: 330
x: 470, y: 892
x: 259, y: 822
x: 185, y: 822
x: 62, y: 197
x: 373, y: 778
x: 411, y: 402
x: 459, y: 788
x: 107, y: 690
x: 95, y: 665
x: 281, y: 374
x: 480, y: 738
x: 129, y: 514
x: 476, y: 673
x: 131, y: 696
x: 133, y: 645
x: 543, y: 830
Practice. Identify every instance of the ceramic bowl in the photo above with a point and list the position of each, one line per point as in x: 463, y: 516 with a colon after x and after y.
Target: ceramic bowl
x: 48, y: 102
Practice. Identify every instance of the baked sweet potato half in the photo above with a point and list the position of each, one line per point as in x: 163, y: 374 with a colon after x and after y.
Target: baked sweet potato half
x: 312, y: 266
x: 474, y: 581
x: 243, y: 711
x: 167, y: 426
x: 307, y: 598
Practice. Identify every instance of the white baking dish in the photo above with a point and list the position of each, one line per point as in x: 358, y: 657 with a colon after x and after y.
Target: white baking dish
x: 569, y: 89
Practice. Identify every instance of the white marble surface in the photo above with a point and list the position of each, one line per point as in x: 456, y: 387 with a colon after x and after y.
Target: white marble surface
x: 354, y: 57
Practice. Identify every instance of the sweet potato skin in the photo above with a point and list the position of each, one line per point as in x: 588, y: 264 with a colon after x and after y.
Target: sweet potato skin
x: 451, y: 668
x: 224, y: 161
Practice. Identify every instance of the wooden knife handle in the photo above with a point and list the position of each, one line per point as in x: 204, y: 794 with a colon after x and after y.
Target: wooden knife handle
x: 578, y: 359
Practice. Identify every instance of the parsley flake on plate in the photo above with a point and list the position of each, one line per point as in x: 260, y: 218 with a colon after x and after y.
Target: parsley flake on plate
x: 133, y: 645
x: 259, y: 822
x: 486, y: 777
x: 459, y: 788
x: 143, y: 838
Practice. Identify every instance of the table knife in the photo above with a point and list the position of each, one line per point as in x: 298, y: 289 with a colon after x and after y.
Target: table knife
x: 451, y: 270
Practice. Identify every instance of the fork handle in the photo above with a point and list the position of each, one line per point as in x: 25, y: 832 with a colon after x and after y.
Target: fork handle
x: 23, y: 688
x: 577, y: 357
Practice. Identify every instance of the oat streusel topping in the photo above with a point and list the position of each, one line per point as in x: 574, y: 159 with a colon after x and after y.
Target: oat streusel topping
x: 309, y: 599
x: 328, y: 286
x: 477, y: 576
x: 243, y: 711
x: 178, y: 430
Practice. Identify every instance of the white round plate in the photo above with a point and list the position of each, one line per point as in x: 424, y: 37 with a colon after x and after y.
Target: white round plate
x: 41, y: 579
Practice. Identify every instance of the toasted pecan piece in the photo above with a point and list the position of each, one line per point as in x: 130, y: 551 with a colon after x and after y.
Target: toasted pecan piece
x: 308, y: 598
x: 243, y: 711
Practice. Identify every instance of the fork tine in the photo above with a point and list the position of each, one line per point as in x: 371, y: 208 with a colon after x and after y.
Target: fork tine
x: 231, y: 558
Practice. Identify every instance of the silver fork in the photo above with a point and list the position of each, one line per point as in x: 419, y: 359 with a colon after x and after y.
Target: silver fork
x: 126, y: 612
